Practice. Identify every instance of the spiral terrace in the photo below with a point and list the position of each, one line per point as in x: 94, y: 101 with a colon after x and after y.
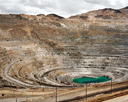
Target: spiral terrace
x: 49, y: 51
x: 59, y: 76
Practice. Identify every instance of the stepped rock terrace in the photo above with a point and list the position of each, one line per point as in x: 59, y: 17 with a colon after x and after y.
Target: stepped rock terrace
x: 50, y: 51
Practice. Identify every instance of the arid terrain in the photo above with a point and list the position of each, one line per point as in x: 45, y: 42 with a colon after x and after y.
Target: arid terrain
x: 39, y: 53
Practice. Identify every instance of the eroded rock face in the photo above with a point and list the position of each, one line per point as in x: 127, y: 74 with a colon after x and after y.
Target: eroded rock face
x: 51, y: 49
x: 107, y: 13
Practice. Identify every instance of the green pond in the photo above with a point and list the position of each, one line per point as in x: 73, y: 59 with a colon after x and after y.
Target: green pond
x: 84, y: 80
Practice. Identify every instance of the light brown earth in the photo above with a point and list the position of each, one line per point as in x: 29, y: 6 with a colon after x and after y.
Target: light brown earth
x: 35, y: 49
x: 73, y: 93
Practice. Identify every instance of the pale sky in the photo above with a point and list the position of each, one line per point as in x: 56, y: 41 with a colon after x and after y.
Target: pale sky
x: 64, y: 8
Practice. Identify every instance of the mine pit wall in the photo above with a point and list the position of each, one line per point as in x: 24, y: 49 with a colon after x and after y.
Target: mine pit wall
x: 117, y: 24
x: 91, y: 45
x: 88, y: 55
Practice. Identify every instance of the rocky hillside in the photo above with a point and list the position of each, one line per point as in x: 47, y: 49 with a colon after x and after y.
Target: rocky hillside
x: 97, y: 39
x: 102, y: 14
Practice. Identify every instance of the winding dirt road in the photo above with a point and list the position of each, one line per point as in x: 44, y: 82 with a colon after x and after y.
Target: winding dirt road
x: 80, y: 93
x: 9, y: 78
x: 69, y: 95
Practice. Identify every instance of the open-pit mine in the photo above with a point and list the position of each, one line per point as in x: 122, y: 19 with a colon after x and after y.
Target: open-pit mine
x: 42, y: 53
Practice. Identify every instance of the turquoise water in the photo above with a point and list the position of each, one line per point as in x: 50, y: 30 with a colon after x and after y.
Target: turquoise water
x: 90, y: 80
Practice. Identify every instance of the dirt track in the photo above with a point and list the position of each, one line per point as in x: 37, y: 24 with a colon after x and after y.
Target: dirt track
x: 79, y: 94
